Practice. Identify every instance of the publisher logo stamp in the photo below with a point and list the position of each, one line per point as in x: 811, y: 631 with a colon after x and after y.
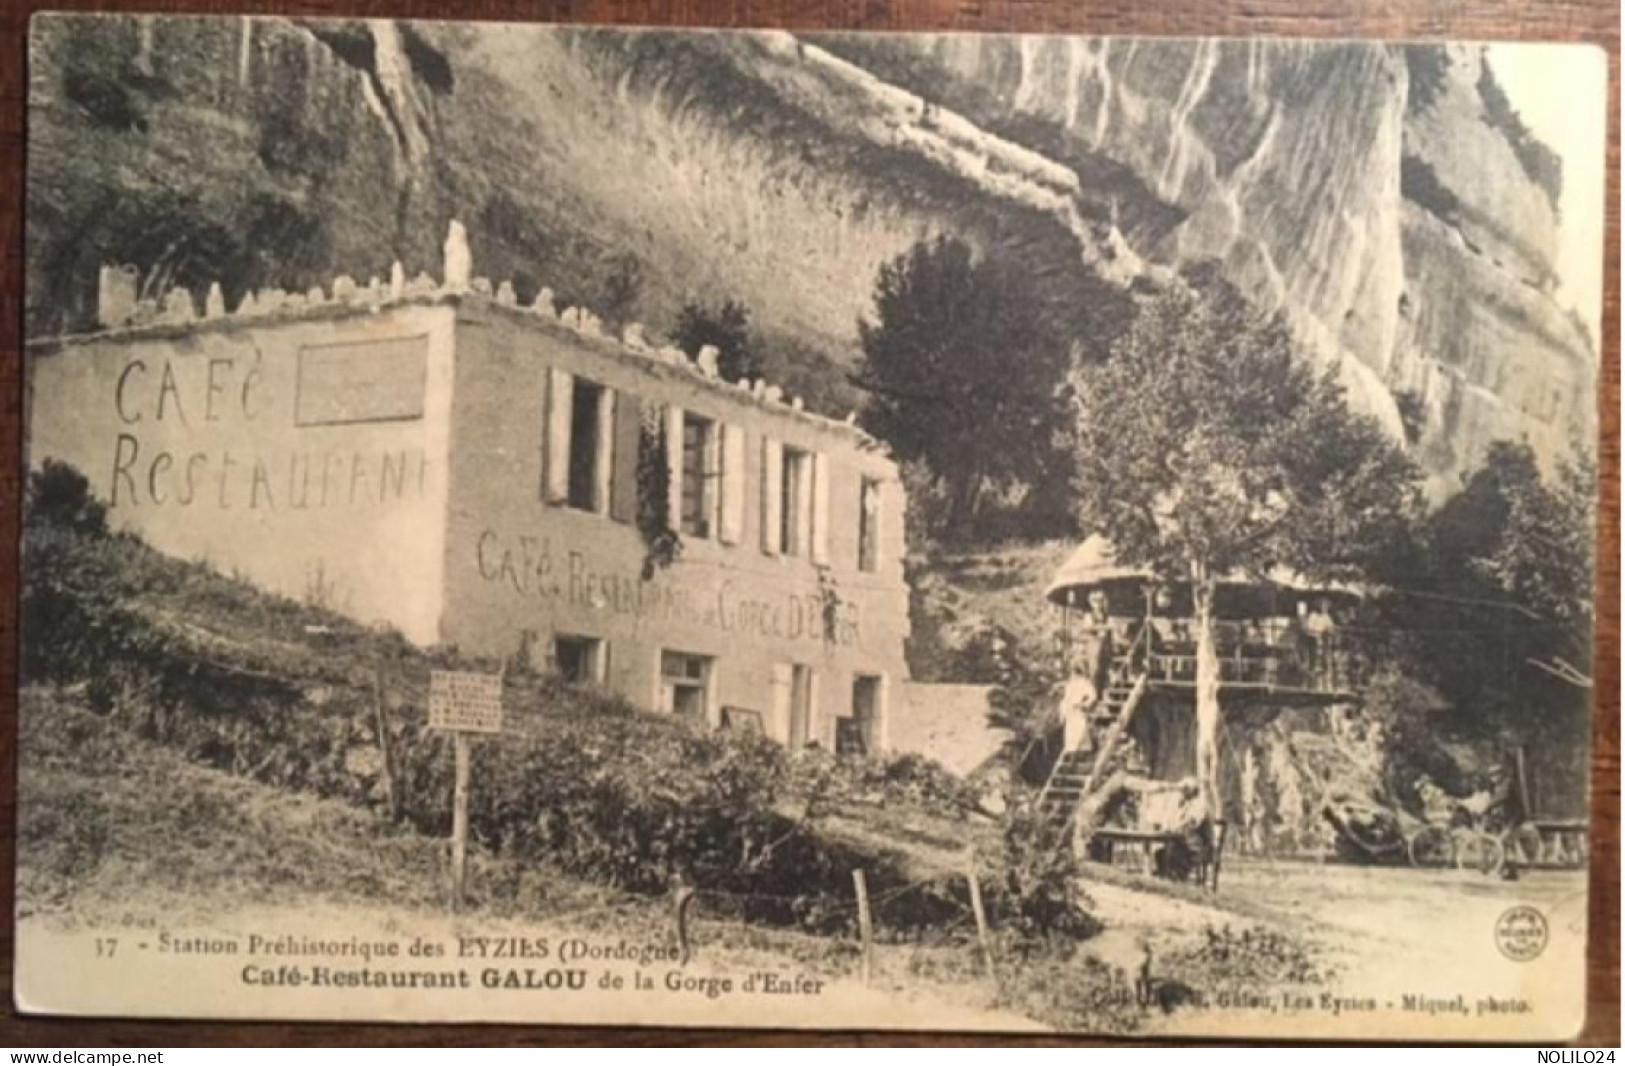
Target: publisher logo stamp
x: 1521, y: 933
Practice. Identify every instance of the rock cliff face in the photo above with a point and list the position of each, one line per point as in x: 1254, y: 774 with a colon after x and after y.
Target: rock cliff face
x: 1385, y: 198
x: 1480, y: 340
x: 1402, y: 231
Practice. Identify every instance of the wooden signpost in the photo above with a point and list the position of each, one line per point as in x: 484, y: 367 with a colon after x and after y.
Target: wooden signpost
x: 866, y: 927
x: 463, y: 704
x: 982, y: 936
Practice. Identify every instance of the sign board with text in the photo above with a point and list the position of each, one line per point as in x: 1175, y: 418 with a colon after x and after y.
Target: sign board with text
x: 465, y: 703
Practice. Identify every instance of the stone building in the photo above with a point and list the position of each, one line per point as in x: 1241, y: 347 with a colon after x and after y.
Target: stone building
x: 440, y: 459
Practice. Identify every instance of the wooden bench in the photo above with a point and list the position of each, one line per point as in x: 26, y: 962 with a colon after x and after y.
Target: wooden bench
x: 1168, y: 854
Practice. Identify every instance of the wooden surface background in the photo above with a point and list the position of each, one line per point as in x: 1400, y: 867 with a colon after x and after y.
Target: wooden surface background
x: 1596, y: 21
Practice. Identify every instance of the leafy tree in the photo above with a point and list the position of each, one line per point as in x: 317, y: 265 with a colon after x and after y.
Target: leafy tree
x: 59, y: 495
x: 1207, y: 446
x: 1514, y: 539
x: 1544, y: 557
x: 1494, y: 611
x: 727, y: 329
x: 1510, y: 555
x: 962, y: 371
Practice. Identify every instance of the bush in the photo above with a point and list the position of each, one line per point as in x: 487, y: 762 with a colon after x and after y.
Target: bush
x: 59, y: 495
x: 1073, y: 993
x: 1256, y: 957
x: 1024, y: 702
x: 824, y: 779
x: 642, y: 802
x: 1040, y: 897
x: 263, y: 687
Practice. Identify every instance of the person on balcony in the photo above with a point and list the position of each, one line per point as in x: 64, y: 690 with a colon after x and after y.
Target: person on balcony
x: 1089, y: 675
x: 1322, y: 631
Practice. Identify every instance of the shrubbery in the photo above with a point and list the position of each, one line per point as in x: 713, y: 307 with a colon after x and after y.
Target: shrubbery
x: 1041, y: 891
x: 268, y: 688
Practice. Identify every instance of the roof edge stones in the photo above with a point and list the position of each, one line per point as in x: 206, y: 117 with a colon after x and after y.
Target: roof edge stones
x: 125, y: 316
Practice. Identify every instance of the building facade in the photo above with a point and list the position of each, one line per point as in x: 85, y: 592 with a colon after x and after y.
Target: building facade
x: 492, y: 477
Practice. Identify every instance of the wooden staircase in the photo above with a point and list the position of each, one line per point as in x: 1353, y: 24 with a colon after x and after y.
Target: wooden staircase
x: 1077, y: 773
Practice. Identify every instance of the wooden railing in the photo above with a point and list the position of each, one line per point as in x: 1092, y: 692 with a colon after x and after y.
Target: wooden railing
x: 1326, y: 670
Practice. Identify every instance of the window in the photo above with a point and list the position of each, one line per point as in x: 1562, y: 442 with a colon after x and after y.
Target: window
x: 700, y: 475
x: 795, y: 514
x: 583, y: 421
x: 869, y: 526
x: 866, y: 709
x: 585, y: 431
x: 579, y: 660
x: 685, y: 682
x: 801, y: 706
x: 795, y: 501
x: 794, y: 695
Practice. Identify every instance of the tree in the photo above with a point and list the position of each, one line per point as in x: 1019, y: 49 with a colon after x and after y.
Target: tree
x: 1544, y: 556
x: 1510, y: 557
x: 1206, y: 446
x: 961, y: 371
x: 725, y: 328
x: 1494, y: 611
x: 1519, y: 542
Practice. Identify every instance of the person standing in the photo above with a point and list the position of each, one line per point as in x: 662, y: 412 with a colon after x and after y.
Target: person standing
x: 1089, y: 674
x: 1322, y: 632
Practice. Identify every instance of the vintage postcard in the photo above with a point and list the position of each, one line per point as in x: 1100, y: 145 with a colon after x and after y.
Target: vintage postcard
x: 580, y: 525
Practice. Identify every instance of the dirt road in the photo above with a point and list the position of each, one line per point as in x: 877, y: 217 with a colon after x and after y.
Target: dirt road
x: 1393, y: 935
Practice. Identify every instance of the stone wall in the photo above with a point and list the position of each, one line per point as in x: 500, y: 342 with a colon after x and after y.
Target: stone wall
x: 303, y: 449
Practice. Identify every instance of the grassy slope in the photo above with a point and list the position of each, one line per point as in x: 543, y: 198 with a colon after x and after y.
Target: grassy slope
x: 315, y: 733
x: 114, y: 831
x: 105, y: 818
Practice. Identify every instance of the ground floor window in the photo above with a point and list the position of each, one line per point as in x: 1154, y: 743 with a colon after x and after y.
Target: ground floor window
x: 865, y: 721
x: 801, y: 705
x: 579, y: 660
x: 793, y: 716
x: 685, y: 684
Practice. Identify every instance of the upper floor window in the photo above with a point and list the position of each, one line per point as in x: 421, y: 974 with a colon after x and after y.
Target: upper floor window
x: 589, y: 455
x: 795, y: 502
x: 700, y: 476
x: 795, y: 516
x: 585, y: 433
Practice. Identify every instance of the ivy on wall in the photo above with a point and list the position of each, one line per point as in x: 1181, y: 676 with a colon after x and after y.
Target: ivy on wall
x: 661, y: 544
x: 829, y: 602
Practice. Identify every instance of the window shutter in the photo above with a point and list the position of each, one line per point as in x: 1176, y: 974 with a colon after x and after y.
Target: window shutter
x: 772, y: 493
x: 605, y: 447
x: 556, y: 454
x: 801, y: 528
x: 623, y: 491
x: 820, y: 507
x: 890, y: 541
x: 880, y: 728
x: 783, y: 690
x: 814, y: 725
x: 674, y: 466
x: 731, y: 526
